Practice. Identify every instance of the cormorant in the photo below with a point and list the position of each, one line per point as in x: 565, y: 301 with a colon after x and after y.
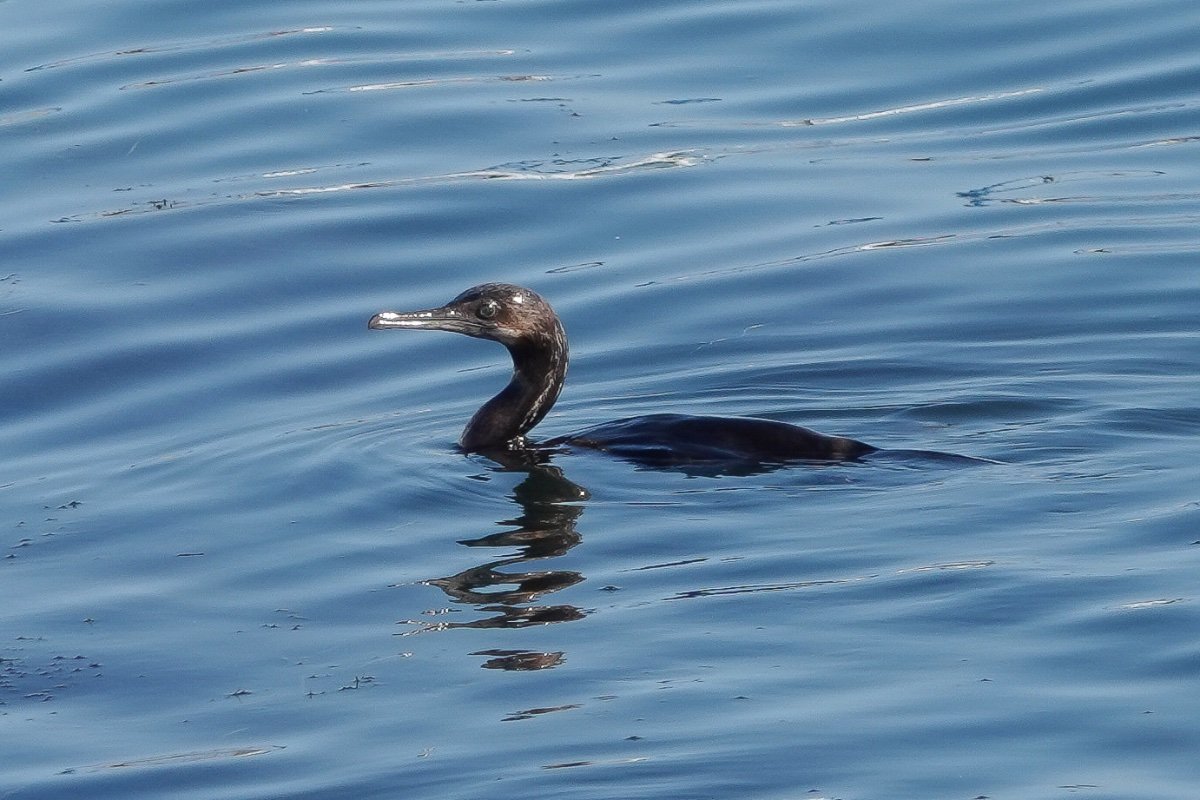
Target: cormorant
x: 523, y: 322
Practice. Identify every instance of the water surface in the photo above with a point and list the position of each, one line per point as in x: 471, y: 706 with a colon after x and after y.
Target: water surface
x: 244, y: 559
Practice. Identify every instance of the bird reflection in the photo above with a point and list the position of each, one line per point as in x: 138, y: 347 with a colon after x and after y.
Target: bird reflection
x: 545, y: 528
x: 524, y: 660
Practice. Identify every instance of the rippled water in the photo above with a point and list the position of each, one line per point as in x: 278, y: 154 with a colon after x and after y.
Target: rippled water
x: 243, y: 558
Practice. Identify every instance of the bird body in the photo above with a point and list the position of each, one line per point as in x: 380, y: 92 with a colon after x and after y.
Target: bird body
x: 525, y: 323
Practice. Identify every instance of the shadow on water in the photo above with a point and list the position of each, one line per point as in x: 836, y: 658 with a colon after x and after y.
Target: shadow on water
x: 926, y: 458
x: 720, y: 464
x: 550, y: 507
x: 545, y: 528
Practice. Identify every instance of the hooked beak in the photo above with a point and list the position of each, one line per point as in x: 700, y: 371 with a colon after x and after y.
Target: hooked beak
x: 432, y: 319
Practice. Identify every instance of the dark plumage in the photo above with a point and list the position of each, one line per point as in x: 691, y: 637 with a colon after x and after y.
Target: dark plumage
x: 526, y: 324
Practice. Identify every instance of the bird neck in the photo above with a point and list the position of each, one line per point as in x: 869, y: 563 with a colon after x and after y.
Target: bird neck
x: 539, y: 369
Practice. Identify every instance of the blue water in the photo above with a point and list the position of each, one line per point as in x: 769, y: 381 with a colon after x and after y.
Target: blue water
x: 243, y: 559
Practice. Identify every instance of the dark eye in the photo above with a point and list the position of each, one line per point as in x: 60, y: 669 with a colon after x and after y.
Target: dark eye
x: 487, y: 309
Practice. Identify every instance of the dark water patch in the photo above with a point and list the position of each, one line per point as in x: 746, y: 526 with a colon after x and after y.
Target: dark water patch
x: 30, y: 674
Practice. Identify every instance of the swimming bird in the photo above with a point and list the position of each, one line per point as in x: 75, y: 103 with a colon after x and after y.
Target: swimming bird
x: 522, y: 321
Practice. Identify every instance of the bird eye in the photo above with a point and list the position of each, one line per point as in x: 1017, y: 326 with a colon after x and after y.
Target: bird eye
x: 487, y: 309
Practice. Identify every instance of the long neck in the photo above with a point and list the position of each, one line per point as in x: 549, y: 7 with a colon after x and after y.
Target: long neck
x: 539, y: 369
